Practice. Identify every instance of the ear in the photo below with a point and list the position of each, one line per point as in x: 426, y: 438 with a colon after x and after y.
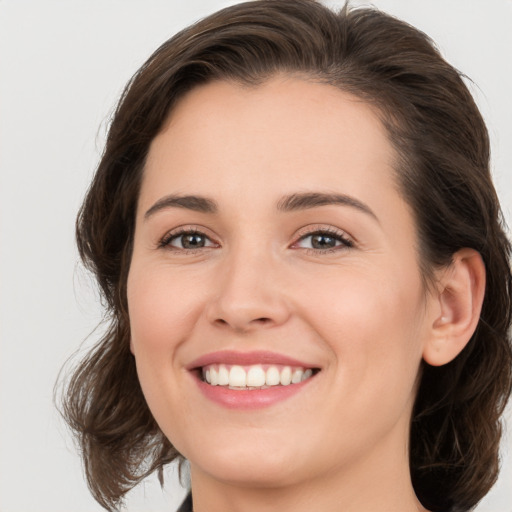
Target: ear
x: 459, y: 298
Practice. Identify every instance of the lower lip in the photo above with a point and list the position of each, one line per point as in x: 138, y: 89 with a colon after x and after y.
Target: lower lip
x: 250, y: 399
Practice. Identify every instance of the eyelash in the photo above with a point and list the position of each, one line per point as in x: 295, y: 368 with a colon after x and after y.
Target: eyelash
x: 165, y: 242
x: 337, y: 235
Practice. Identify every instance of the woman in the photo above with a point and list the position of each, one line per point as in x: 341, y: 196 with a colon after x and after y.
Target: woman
x: 295, y: 230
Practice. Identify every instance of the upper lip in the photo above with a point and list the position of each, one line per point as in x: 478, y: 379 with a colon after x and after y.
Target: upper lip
x: 232, y: 357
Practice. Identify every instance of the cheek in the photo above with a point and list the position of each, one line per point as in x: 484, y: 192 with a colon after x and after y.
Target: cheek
x: 374, y: 331
x: 161, y: 309
x: 372, y: 322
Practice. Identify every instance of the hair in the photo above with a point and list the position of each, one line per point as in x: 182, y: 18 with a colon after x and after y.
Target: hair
x: 442, y: 168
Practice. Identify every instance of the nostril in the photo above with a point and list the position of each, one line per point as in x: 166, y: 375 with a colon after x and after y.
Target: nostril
x: 243, y: 321
x: 261, y: 321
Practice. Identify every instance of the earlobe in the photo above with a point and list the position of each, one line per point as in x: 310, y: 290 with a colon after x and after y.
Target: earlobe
x: 461, y: 288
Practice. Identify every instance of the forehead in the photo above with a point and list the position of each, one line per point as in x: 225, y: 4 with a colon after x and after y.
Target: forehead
x: 286, y: 133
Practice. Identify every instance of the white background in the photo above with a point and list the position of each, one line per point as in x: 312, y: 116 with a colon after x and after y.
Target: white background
x: 62, y: 67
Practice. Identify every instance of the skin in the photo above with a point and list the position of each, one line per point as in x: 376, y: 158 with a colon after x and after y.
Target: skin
x: 360, y: 313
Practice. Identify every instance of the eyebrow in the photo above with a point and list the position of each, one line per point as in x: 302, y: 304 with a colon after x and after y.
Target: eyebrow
x: 307, y: 200
x: 290, y: 203
x: 195, y: 203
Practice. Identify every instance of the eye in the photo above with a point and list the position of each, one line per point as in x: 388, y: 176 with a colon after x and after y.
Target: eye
x: 187, y: 240
x: 324, y: 241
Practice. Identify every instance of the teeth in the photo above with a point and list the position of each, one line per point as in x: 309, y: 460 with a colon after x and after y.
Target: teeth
x: 297, y: 376
x: 286, y: 376
x: 307, y: 374
x: 255, y: 376
x: 237, y: 377
x: 272, y: 377
x: 223, y: 376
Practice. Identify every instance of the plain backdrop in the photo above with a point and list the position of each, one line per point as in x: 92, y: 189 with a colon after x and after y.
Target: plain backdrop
x: 63, y: 64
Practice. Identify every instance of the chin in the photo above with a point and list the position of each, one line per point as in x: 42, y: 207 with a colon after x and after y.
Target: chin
x: 248, y: 464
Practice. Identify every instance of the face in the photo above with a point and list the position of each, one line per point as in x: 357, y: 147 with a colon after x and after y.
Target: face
x: 272, y: 245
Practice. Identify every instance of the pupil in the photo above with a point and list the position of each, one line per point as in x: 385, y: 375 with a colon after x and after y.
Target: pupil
x: 192, y: 241
x: 323, y: 242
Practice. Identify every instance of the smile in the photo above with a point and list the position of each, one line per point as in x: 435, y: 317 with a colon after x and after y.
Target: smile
x: 250, y: 380
x: 254, y: 377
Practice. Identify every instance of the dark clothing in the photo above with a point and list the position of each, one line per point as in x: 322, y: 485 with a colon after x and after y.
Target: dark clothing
x: 186, y: 506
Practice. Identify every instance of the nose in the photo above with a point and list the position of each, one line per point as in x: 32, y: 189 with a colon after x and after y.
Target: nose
x: 248, y: 293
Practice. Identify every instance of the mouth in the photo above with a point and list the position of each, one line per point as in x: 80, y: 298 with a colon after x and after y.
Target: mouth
x: 254, y: 377
x: 250, y: 380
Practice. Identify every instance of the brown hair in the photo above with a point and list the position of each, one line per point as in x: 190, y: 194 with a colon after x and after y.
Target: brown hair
x: 443, y: 171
